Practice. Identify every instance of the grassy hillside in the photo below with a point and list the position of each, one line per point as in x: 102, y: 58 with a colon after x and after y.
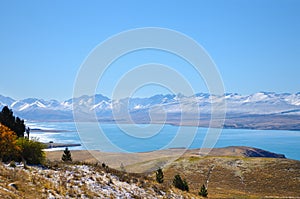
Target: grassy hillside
x: 238, y: 177
x: 227, y: 172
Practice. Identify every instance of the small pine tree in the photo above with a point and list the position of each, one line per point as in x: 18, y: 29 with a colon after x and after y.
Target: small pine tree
x: 66, y: 157
x: 180, y: 184
x: 203, y: 191
x: 159, y: 175
x: 122, y: 167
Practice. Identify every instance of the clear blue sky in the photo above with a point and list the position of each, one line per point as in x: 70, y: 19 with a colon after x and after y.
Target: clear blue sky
x: 255, y: 44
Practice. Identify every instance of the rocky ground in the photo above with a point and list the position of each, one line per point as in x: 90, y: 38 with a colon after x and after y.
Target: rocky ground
x: 76, y: 181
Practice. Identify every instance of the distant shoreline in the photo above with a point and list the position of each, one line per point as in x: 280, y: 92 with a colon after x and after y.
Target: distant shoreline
x: 51, y: 145
x: 48, y: 130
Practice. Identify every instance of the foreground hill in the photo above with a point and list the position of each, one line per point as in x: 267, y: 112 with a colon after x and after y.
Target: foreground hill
x: 231, y: 172
x: 60, y: 181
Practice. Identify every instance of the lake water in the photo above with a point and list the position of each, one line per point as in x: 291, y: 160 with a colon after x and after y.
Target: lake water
x: 143, y: 138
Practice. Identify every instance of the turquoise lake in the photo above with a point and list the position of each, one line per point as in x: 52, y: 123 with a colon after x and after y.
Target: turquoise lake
x: 142, y: 138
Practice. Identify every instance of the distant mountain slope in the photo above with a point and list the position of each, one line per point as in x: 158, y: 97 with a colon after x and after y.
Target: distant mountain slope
x: 264, y: 110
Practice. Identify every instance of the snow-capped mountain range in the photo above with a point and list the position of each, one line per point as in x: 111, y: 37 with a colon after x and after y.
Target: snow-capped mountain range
x: 257, y: 104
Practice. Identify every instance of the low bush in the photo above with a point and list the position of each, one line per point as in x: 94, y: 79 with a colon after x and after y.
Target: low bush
x: 31, y: 151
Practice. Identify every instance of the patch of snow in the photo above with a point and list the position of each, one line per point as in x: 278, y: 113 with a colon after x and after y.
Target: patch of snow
x: 25, y: 106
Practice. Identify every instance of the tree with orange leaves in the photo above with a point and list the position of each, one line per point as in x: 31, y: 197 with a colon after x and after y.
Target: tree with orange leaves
x: 8, y: 147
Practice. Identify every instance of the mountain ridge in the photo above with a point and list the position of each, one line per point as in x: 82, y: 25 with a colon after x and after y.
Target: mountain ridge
x: 283, y: 108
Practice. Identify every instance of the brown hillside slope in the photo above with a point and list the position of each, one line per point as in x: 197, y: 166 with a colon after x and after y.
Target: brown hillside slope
x: 150, y: 161
x: 230, y: 172
x: 238, y: 177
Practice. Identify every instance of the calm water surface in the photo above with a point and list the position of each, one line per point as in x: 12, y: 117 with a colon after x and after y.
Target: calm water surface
x: 143, y: 139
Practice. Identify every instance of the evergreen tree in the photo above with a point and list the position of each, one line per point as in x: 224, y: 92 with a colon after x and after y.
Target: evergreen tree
x: 66, y: 157
x: 159, y: 176
x: 203, y: 191
x: 15, y: 124
x: 180, y: 184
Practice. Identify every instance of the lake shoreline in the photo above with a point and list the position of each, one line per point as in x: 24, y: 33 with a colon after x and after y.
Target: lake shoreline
x: 193, y: 138
x: 225, y: 126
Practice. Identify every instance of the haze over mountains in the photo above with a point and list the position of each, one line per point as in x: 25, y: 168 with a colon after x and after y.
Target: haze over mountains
x: 262, y: 110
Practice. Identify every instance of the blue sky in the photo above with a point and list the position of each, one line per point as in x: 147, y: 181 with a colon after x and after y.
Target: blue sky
x: 255, y: 44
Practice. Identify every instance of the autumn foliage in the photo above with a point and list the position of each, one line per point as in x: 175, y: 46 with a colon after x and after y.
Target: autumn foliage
x: 8, y: 146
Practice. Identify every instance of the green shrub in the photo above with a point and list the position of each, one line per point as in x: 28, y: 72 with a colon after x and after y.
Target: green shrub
x: 31, y: 151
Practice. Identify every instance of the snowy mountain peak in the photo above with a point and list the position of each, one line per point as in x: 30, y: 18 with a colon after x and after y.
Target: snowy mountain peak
x: 257, y: 103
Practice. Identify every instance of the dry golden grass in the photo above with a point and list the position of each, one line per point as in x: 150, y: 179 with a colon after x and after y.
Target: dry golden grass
x: 238, y: 177
x: 146, y: 161
x: 26, y: 183
x: 155, y: 159
x: 227, y: 172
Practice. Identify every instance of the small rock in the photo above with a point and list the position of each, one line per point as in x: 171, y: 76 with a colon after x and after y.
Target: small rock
x: 13, y: 185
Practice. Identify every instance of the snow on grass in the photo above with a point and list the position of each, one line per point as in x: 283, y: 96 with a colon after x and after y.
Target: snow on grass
x: 81, y: 181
